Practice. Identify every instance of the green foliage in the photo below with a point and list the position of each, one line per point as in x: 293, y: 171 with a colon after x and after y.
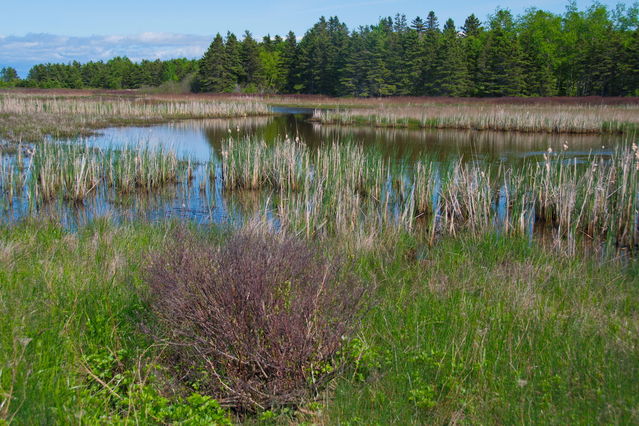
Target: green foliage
x: 117, y: 388
x: 215, y: 70
x: 492, y: 330
x: 579, y: 53
x: 70, y: 349
x: 117, y: 73
x: 8, y: 77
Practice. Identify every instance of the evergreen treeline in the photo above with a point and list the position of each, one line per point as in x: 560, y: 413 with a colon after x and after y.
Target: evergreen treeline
x: 578, y: 53
x: 117, y: 73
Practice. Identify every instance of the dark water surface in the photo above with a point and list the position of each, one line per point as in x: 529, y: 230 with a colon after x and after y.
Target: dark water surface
x: 200, y: 141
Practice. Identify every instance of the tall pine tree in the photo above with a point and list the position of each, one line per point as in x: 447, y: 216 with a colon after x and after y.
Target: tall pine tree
x: 500, y: 62
x: 214, y: 73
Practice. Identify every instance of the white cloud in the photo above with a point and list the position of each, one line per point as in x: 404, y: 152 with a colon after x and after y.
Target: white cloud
x: 24, y: 51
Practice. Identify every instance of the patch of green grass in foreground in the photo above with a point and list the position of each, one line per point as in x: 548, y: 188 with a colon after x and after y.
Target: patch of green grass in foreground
x: 491, y: 330
x: 71, y: 350
x: 481, y: 330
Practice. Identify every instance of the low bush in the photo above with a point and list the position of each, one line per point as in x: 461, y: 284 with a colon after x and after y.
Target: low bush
x: 256, y: 322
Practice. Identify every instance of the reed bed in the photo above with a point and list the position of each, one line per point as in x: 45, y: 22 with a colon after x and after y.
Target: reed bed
x: 343, y: 189
x: 532, y: 118
x: 74, y: 172
x: 31, y: 117
x: 142, y: 107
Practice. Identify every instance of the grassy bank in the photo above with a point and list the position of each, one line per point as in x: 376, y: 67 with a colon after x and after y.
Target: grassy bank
x: 528, y: 118
x: 493, y: 331
x: 488, y: 329
x: 30, y: 116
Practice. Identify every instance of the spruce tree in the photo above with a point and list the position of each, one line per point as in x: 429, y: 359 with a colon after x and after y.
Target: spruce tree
x: 472, y: 26
x: 429, y: 43
x: 500, y: 62
x: 234, y: 55
x: 451, y: 73
x: 473, y: 44
x: 214, y: 74
x: 418, y: 25
x: 290, y: 62
x: 432, y: 23
x: 251, y: 63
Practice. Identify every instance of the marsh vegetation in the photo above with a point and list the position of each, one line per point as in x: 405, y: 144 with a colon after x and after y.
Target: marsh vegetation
x: 28, y: 117
x: 315, y: 273
x: 529, y: 118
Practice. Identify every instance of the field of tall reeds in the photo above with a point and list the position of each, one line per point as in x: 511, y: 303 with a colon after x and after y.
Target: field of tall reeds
x: 74, y: 172
x: 343, y: 188
x: 530, y: 118
x: 26, y: 116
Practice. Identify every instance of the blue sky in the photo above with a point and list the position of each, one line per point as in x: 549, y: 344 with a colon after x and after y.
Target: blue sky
x: 60, y: 31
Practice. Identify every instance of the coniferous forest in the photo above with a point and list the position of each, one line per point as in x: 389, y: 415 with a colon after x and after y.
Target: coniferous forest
x: 578, y: 53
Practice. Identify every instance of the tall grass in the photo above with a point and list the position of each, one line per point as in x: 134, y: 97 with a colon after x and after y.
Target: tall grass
x: 74, y: 172
x: 138, y: 107
x: 31, y: 117
x: 543, y: 118
x: 487, y: 329
x: 343, y: 188
x: 71, y: 348
x: 491, y: 330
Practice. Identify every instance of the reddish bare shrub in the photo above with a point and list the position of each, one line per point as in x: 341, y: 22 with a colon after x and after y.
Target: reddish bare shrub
x: 257, y: 321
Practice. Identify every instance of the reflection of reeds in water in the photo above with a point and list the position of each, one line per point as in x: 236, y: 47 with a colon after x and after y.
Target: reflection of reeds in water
x: 343, y: 188
x: 223, y: 124
x: 521, y: 118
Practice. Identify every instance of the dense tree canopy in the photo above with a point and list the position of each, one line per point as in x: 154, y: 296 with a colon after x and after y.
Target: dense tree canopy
x: 578, y: 53
x: 117, y: 73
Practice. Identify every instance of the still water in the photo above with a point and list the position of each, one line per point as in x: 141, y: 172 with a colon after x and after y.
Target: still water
x: 200, y: 141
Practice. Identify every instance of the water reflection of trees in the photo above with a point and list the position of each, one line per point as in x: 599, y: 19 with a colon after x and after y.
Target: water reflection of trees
x: 401, y: 143
x: 407, y: 142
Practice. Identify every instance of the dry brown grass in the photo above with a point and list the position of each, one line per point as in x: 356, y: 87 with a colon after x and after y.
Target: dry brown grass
x: 32, y: 115
x: 519, y: 117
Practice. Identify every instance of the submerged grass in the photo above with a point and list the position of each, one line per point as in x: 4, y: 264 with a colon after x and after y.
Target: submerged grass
x: 75, y: 172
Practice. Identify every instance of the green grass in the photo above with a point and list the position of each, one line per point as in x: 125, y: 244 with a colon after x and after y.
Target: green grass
x: 493, y: 330
x: 71, y: 349
x: 476, y: 329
